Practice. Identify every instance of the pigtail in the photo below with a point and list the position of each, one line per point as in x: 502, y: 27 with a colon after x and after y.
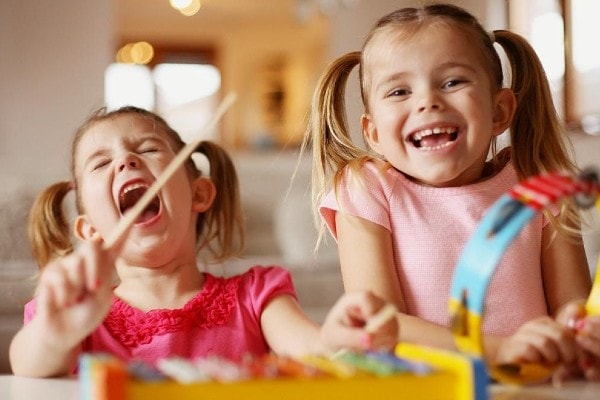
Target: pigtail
x: 537, y: 136
x: 538, y: 141
x: 48, y: 228
x: 327, y: 132
x: 221, y: 228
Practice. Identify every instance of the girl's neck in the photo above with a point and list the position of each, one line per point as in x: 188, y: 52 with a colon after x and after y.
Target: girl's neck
x: 168, y: 287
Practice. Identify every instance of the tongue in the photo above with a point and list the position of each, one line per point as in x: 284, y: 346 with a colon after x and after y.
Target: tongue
x: 146, y: 215
x: 434, y: 140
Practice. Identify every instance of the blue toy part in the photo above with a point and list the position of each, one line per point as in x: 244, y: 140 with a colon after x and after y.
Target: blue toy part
x: 499, y: 226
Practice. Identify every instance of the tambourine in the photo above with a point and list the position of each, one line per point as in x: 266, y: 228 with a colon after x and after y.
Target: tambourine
x: 478, y: 261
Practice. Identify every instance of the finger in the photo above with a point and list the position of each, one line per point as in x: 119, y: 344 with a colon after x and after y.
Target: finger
x: 589, y: 344
x: 99, y: 264
x: 55, y: 279
x: 76, y: 274
x: 45, y: 304
x: 554, y: 342
x: 571, y: 313
x: 358, y: 307
x: 589, y: 326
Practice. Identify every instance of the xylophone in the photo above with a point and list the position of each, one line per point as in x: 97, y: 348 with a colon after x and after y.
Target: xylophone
x: 428, y: 373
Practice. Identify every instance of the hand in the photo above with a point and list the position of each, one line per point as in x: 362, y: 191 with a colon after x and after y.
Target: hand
x: 74, y: 294
x: 344, y: 326
x: 587, y: 336
x: 542, y: 340
x: 588, y: 339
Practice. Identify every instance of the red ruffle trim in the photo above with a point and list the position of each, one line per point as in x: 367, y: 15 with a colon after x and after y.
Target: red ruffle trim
x: 212, y: 306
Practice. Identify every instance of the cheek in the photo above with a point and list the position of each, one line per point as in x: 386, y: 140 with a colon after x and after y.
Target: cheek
x: 95, y: 199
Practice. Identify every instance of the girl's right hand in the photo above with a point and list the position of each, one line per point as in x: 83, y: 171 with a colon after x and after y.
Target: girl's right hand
x: 74, y: 294
x: 542, y: 340
x: 346, y: 325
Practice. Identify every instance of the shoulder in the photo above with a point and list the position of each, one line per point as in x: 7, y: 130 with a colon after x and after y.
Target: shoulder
x: 260, y: 284
x: 368, y: 178
x: 266, y: 277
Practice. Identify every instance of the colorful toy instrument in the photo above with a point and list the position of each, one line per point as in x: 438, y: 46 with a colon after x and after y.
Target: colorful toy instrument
x: 427, y: 373
x: 483, y: 251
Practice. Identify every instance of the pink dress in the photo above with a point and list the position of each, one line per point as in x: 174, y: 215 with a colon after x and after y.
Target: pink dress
x: 430, y: 227
x: 222, y: 320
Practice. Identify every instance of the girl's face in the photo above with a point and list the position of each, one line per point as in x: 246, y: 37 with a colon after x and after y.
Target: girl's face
x: 116, y: 162
x: 432, y: 108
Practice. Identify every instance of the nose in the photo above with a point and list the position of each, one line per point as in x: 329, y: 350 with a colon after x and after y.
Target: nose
x: 128, y: 161
x: 429, y: 101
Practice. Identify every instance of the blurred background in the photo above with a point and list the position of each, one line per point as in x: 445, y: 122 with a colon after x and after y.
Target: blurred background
x: 61, y: 60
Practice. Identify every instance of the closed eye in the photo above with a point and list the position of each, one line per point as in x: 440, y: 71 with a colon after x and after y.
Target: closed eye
x: 99, y: 164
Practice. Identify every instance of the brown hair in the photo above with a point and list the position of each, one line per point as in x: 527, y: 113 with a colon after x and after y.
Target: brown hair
x: 220, y: 228
x: 537, y: 138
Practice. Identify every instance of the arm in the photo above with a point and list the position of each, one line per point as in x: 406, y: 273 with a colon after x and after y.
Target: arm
x: 289, y: 331
x: 73, y: 297
x: 375, y: 250
x: 567, y: 283
x: 374, y: 244
x: 565, y: 270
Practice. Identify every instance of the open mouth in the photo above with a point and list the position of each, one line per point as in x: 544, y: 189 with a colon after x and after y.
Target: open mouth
x: 434, y: 139
x: 131, y: 194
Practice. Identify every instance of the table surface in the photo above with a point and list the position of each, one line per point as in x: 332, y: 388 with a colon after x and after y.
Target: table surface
x: 18, y: 388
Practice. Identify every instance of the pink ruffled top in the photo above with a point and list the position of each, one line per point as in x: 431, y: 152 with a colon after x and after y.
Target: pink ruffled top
x: 223, y: 319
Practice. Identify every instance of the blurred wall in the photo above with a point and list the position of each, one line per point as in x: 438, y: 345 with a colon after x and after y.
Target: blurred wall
x: 52, y: 61
x: 52, y: 69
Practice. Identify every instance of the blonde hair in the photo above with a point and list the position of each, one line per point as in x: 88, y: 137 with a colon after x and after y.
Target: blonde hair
x: 220, y: 229
x: 538, y: 142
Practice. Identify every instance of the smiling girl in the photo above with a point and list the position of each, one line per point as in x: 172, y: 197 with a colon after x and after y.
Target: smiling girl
x: 402, y: 209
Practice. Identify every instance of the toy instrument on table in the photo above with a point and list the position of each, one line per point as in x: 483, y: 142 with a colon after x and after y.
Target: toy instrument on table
x: 415, y: 372
x: 501, y: 223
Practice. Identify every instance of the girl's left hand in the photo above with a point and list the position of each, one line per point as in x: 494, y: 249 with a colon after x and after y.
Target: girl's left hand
x: 588, y: 338
x: 345, y: 325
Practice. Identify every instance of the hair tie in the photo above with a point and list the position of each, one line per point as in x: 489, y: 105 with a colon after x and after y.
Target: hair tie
x: 72, y: 185
x: 202, y: 162
x: 492, y: 36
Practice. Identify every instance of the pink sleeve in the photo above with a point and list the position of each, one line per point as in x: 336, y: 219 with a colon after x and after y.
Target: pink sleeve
x: 365, y: 197
x: 29, y: 311
x: 266, y: 283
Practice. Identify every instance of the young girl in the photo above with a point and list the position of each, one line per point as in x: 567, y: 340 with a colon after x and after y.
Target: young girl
x: 402, y: 210
x: 163, y: 305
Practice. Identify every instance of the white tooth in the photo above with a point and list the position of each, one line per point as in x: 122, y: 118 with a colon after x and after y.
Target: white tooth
x: 133, y: 186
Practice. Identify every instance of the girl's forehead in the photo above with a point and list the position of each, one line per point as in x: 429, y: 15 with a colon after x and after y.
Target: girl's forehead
x: 411, y: 34
x: 121, y: 127
x: 422, y: 40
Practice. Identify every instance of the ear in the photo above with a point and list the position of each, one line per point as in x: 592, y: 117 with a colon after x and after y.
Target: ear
x: 84, y: 230
x: 204, y: 192
x: 370, y: 133
x: 505, y: 104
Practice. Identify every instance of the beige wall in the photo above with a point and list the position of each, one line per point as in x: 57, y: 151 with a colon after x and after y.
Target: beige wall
x: 52, y: 61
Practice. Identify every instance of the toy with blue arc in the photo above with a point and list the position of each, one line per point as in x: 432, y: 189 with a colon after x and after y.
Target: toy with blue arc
x: 478, y: 261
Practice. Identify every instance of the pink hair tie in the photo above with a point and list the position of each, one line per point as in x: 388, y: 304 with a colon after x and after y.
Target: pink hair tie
x: 72, y: 185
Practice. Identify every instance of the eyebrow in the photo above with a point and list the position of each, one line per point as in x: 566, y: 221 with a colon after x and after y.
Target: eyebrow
x: 447, y: 65
x: 143, y: 138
